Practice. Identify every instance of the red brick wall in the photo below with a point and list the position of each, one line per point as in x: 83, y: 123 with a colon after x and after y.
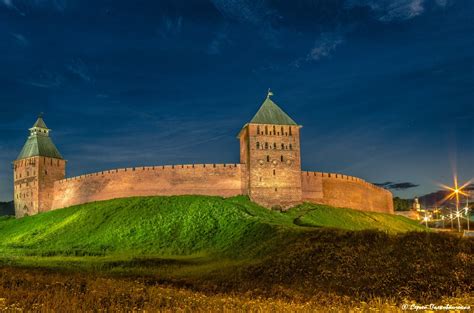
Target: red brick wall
x: 209, y: 179
x: 272, y: 154
x: 199, y: 179
x: 25, y: 184
x: 345, y: 191
x: 49, y: 171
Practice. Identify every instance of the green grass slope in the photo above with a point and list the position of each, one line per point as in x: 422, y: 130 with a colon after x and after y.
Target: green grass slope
x: 178, y: 226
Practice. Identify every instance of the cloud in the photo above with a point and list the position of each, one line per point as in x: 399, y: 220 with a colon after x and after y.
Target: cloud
x: 9, y: 4
x: 45, y: 79
x: 170, y: 26
x: 245, y: 11
x: 391, y: 10
x: 22, y: 6
x: 21, y: 40
x: 396, y: 10
x: 396, y: 186
x: 324, y: 46
x: 79, y: 68
x: 251, y: 12
x: 217, y: 43
x: 442, y: 3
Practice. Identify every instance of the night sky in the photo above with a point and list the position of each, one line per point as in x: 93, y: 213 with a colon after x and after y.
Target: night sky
x: 383, y: 88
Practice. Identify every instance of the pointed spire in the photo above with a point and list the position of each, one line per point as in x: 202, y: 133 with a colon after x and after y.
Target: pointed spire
x: 39, y: 143
x: 271, y: 113
x: 40, y: 122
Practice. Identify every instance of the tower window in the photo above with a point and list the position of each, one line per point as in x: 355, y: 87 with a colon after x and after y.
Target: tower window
x: 274, y: 172
x: 258, y: 130
x: 282, y: 146
x: 290, y: 130
x: 274, y: 145
x: 266, y: 145
x: 274, y: 130
x: 281, y: 158
x: 266, y: 130
x: 258, y: 145
x: 291, y: 147
x: 282, y: 131
x: 268, y: 158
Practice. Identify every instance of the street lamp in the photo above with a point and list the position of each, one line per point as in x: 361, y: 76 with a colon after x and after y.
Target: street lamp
x: 426, y: 220
x: 468, y: 216
x: 455, y: 192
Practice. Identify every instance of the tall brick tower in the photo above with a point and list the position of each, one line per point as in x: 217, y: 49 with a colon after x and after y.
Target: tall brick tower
x: 270, y: 149
x: 37, y: 167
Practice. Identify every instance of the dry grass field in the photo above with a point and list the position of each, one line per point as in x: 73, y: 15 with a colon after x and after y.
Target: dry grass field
x: 46, y: 291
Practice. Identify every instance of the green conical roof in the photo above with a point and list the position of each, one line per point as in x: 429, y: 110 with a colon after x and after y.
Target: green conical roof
x: 271, y: 113
x: 39, y: 143
x: 40, y: 123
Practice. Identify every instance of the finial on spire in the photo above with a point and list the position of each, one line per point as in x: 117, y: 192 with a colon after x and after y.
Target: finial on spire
x: 270, y: 93
x: 40, y: 115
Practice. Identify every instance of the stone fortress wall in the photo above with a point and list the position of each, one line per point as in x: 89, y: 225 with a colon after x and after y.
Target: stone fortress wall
x: 224, y: 180
x: 269, y: 173
x: 345, y: 191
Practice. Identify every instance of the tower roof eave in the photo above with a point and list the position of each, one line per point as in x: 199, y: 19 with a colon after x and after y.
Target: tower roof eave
x: 39, y: 146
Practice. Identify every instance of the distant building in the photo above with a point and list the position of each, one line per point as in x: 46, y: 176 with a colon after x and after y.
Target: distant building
x: 416, y: 204
x: 269, y: 172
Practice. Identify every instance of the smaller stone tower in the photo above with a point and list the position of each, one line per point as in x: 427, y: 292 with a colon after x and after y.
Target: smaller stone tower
x: 270, y: 151
x: 37, y: 167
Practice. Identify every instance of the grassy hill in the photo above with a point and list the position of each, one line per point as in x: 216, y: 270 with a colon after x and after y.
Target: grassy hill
x: 181, y: 225
x: 233, y: 246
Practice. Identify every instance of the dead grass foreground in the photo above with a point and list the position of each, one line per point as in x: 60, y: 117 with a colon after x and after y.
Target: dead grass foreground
x: 47, y: 291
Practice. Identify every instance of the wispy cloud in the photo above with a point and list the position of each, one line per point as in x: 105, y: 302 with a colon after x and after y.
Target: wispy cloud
x: 45, y: 79
x: 323, y: 47
x: 22, y: 6
x: 244, y: 11
x: 20, y: 40
x: 397, y: 186
x: 170, y: 26
x: 251, y: 12
x: 218, y: 42
x: 9, y: 4
x: 80, y: 69
x: 391, y: 10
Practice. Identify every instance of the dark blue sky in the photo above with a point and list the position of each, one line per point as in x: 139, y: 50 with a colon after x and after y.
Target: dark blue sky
x: 384, y: 88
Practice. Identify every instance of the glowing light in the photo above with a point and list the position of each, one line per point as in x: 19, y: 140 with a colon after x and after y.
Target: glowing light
x: 456, y: 190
